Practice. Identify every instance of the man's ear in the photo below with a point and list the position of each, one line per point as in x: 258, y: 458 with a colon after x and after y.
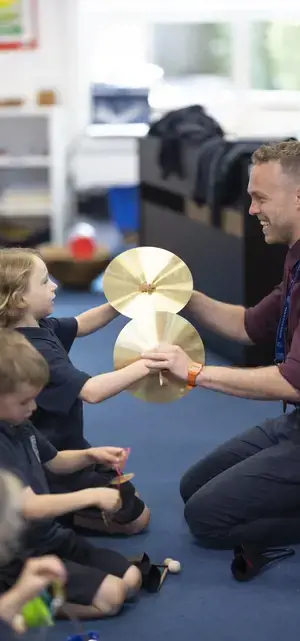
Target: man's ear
x: 298, y: 197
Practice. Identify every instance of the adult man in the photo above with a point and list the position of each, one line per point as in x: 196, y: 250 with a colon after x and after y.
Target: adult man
x: 248, y: 490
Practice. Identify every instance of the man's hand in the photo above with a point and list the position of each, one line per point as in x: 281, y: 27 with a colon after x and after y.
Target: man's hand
x: 37, y: 575
x: 114, y: 457
x: 168, y: 357
x: 107, y: 499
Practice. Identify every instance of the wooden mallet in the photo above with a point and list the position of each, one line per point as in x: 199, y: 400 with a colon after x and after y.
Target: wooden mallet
x: 169, y: 565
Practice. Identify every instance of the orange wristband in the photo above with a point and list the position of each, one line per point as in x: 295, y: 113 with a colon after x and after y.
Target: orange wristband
x: 193, y: 371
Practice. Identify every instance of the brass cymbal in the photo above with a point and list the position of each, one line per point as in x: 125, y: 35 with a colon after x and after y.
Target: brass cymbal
x: 144, y: 280
x: 140, y: 335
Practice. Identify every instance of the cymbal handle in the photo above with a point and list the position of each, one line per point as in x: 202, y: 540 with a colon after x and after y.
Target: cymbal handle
x: 105, y: 518
x: 162, y: 381
x: 163, y: 576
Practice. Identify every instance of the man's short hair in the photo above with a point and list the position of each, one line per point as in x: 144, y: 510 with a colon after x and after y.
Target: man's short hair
x: 287, y: 154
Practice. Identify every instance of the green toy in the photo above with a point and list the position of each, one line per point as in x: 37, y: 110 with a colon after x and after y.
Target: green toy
x: 40, y: 611
x: 36, y: 614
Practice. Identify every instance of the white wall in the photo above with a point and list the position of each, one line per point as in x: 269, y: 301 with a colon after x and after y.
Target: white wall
x: 69, y: 29
x: 53, y: 65
x: 185, y: 10
x: 23, y: 73
x: 104, y: 28
x: 73, y: 37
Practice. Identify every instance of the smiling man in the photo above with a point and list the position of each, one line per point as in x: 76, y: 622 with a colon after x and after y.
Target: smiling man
x: 248, y: 490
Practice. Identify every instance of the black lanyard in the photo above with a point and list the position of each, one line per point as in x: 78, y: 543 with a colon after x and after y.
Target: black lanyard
x: 283, y: 323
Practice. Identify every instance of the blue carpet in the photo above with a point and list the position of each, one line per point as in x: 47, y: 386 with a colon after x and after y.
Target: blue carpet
x: 203, y: 602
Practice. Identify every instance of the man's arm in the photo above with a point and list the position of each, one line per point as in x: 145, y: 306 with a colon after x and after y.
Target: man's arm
x: 257, y: 383
x: 221, y: 318
x: 95, y: 318
x: 257, y: 324
x: 261, y: 383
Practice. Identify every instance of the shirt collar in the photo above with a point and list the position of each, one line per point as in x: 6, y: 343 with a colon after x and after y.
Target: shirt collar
x: 13, y: 431
x: 8, y: 429
x: 34, y: 332
x: 293, y: 255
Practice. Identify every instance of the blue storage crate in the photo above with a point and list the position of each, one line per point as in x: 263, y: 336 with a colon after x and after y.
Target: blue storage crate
x: 123, y: 204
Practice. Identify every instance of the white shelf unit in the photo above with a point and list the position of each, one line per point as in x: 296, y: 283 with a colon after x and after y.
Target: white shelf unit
x: 33, y: 171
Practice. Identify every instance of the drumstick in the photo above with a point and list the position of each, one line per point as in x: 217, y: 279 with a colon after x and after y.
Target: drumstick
x: 119, y: 475
x: 169, y: 565
x: 118, y: 485
x: 104, y: 514
x: 163, y: 575
x: 118, y: 469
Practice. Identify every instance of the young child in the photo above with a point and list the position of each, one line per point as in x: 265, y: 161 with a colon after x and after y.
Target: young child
x: 37, y: 574
x: 26, y: 300
x: 98, y: 581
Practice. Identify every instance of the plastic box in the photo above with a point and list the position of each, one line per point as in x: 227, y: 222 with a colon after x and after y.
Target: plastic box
x: 123, y: 204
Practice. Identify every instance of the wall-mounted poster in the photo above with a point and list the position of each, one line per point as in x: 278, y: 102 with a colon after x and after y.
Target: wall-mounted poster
x: 18, y: 24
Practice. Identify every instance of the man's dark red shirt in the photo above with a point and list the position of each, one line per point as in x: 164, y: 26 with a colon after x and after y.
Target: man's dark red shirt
x: 261, y: 321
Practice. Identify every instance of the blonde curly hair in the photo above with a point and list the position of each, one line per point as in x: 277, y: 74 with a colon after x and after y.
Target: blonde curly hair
x: 16, y: 265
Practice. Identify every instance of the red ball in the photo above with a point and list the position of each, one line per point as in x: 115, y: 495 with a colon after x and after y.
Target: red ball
x: 83, y: 247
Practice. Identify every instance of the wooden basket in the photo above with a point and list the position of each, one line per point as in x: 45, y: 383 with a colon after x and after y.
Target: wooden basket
x: 72, y: 273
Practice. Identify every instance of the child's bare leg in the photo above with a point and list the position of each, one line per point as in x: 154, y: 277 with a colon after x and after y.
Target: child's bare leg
x: 109, y: 598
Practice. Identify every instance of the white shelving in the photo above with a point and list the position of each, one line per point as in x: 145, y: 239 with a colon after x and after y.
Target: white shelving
x: 33, y: 174
x: 24, y: 161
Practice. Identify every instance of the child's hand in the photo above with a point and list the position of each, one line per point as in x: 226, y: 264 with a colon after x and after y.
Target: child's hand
x: 110, y: 456
x: 36, y: 576
x: 108, y: 499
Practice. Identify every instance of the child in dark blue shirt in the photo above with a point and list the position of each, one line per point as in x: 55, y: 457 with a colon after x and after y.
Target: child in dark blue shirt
x: 98, y: 580
x: 26, y: 301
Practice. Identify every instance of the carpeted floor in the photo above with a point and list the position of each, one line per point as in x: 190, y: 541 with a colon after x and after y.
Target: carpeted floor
x: 203, y: 602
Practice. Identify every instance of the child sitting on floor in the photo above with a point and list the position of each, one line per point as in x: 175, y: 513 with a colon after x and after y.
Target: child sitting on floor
x: 26, y: 301
x: 37, y: 575
x: 99, y: 580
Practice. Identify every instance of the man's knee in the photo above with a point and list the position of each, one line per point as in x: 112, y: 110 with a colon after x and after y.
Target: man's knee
x: 204, y: 520
x: 193, y: 514
x: 186, y: 487
x: 183, y: 489
x: 193, y: 480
